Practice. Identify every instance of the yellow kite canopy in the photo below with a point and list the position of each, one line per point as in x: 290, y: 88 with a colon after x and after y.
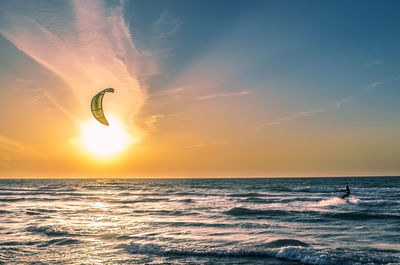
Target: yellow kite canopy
x: 97, y: 106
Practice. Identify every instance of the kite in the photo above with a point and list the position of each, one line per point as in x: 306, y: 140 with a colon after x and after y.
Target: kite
x: 97, y: 106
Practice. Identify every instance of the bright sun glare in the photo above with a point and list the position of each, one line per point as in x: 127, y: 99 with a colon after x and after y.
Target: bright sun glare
x: 104, y: 141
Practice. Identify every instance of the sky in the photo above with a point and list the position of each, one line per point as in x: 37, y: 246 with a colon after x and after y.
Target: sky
x: 202, y: 88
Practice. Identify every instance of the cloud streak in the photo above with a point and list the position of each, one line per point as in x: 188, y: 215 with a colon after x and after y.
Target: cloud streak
x: 167, y: 25
x: 199, y: 145
x: 303, y: 114
x: 154, y: 119
x: 211, y: 96
x: 8, y: 146
x: 374, y: 85
x: 173, y: 92
x: 373, y: 63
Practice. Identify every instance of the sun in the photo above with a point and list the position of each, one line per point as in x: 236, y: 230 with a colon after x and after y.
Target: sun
x: 104, y: 141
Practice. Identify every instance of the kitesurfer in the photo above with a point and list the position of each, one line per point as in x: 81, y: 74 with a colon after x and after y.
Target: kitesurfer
x: 347, y: 190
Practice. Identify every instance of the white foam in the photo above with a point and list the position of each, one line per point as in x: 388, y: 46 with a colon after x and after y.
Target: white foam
x: 337, y: 201
x: 331, y: 201
x: 309, y: 256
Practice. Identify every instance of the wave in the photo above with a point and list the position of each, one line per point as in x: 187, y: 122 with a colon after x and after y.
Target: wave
x: 360, y: 216
x: 240, y: 211
x: 150, y: 248
x: 303, y: 189
x: 43, y: 210
x: 145, y: 194
x: 51, y: 230
x: 51, y: 192
x: 331, y: 202
x: 279, y: 200
x: 198, y: 224
x: 299, y: 199
x: 259, y: 200
x: 301, y: 254
x: 313, y: 190
x: 219, y: 224
x: 338, y: 201
x: 280, y: 189
x: 17, y: 243
x: 166, y: 212
x: 11, y: 199
x: 187, y: 194
x: 251, y: 194
x: 285, y: 242
x: 186, y: 200
x: 138, y: 200
x: 125, y: 194
x: 31, y: 213
x: 335, y: 256
x: 61, y: 242
x: 378, y: 203
x: 26, y: 199
x: 356, y: 215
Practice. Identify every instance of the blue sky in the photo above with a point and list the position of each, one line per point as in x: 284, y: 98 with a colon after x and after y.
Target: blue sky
x: 312, y: 53
x: 328, y: 39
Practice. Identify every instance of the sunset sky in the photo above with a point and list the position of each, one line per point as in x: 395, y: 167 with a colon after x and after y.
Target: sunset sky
x: 202, y: 88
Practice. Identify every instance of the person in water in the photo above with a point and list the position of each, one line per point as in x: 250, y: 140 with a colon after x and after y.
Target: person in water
x: 347, y: 190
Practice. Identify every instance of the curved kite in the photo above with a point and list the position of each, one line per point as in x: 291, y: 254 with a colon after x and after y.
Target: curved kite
x: 97, y: 106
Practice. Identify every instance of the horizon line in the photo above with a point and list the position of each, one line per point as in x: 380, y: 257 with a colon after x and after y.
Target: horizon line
x: 206, y: 177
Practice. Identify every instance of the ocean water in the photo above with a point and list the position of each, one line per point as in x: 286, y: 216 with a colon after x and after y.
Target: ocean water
x: 200, y: 221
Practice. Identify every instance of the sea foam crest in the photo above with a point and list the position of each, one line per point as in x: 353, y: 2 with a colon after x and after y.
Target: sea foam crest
x: 290, y: 250
x: 306, y: 256
x: 335, y: 257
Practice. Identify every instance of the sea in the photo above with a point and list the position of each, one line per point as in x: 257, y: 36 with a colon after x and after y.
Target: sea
x: 200, y: 221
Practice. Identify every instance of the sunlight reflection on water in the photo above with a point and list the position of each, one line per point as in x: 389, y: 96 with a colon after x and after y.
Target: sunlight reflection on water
x: 195, y: 221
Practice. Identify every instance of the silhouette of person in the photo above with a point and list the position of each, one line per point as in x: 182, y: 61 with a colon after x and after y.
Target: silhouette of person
x: 347, y: 190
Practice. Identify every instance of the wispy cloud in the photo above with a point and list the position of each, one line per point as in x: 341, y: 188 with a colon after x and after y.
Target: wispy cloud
x: 151, y: 122
x: 59, y: 106
x: 373, y: 63
x: 375, y: 84
x: 302, y: 114
x: 294, y: 116
x: 9, y: 146
x: 167, y: 25
x: 204, y: 144
x: 169, y: 92
x: 23, y: 80
x: 339, y: 103
x: 174, y: 90
x: 241, y: 93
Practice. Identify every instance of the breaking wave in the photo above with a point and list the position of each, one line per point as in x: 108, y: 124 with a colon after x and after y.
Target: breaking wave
x: 290, y: 250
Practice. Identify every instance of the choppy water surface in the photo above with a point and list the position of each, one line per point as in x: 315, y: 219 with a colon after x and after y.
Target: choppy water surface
x: 200, y: 221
